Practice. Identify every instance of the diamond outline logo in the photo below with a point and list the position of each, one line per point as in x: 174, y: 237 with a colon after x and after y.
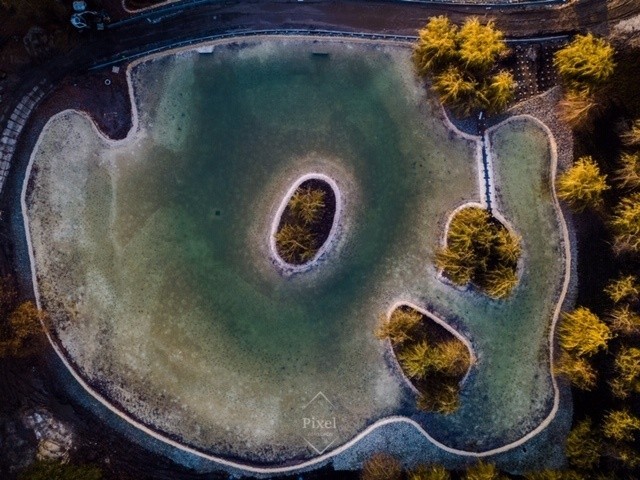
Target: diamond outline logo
x: 318, y: 423
x: 319, y: 394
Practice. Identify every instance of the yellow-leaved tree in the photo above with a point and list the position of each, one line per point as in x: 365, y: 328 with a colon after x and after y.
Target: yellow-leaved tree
x: 457, y: 89
x: 499, y: 91
x: 625, y: 224
x: 625, y: 287
x: 381, y: 466
x: 437, y: 45
x: 620, y: 425
x: 627, y: 372
x: 628, y: 174
x: 429, y: 472
x: 582, y: 332
x: 586, y: 61
x: 632, y: 136
x: 480, y: 45
x: 582, y: 185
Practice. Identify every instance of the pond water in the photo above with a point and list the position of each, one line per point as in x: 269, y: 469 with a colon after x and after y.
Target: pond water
x: 152, y: 255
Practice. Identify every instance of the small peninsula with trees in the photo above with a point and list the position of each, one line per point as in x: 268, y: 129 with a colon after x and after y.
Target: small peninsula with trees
x: 434, y: 359
x: 479, y: 250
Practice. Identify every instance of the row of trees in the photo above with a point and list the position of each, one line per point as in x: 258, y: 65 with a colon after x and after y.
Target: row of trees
x: 480, y: 250
x: 462, y: 63
x: 583, y: 185
x: 435, y: 365
x: 297, y: 239
x: 581, y: 448
x: 591, y: 343
x: 382, y: 466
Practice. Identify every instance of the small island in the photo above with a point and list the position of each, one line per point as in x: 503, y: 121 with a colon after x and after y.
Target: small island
x: 481, y: 251
x: 434, y: 359
x: 306, y: 222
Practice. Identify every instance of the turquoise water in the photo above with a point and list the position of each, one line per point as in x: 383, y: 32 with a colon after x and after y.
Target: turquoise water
x: 153, y: 255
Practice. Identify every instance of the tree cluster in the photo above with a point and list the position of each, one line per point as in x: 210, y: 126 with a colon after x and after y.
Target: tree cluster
x: 462, y: 63
x: 383, y: 466
x: 435, y: 365
x: 584, y: 65
x: 296, y: 239
x: 480, y: 250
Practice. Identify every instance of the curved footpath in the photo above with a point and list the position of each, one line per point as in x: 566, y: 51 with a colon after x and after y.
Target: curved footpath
x: 385, y: 422
x: 139, y: 36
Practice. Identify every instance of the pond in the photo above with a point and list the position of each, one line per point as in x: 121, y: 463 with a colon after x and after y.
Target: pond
x: 152, y: 254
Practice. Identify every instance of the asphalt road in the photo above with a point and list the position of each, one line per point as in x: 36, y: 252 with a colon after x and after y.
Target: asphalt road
x: 179, y: 23
x: 174, y: 23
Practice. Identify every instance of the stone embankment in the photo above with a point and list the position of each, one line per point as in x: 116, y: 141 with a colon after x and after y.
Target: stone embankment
x: 17, y: 119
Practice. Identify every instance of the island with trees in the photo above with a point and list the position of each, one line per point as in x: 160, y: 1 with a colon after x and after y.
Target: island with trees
x: 471, y: 66
x: 306, y: 221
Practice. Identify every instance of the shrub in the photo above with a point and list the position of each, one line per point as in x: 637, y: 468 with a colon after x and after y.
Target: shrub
x: 307, y: 204
x: 445, y: 399
x: 296, y: 243
x: 415, y: 359
x: 499, y: 91
x: 582, y: 185
x: 626, y: 455
x: 482, y: 471
x: 457, y: 90
x: 620, y: 425
x: 578, y: 107
x: 499, y: 282
x: 553, y: 475
x: 25, y: 334
x: 582, y: 332
x: 381, y: 466
x: 450, y: 358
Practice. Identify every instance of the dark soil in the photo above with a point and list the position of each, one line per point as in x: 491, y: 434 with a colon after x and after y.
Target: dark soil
x: 321, y: 228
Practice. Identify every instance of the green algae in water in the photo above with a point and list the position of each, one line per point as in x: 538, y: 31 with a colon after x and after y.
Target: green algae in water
x: 160, y: 248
